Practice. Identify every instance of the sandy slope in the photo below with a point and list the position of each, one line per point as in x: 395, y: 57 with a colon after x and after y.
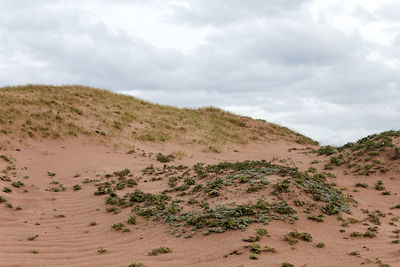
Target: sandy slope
x: 70, y: 240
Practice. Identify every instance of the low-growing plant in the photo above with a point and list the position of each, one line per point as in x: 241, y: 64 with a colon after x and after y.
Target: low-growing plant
x: 17, y: 184
x: 165, y: 158
x: 160, y: 250
x: 379, y: 186
x: 102, y: 250
x: 33, y: 237
x: 6, y: 190
x: 120, y: 227
x: 363, y: 185
x: 317, y: 218
x: 77, y: 187
x: 132, y: 219
x: 355, y: 234
x: 254, y: 256
x: 269, y: 249
x: 369, y: 234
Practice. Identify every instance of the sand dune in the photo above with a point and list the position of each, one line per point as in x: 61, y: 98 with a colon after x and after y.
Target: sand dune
x: 51, y: 216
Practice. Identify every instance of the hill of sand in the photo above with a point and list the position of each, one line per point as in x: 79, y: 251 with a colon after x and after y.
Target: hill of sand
x: 93, y: 178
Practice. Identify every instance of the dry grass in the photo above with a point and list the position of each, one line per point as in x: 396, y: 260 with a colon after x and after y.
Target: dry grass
x: 44, y: 111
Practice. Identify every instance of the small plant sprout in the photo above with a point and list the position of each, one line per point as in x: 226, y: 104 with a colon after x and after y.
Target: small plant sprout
x: 33, y: 237
x: 102, y: 250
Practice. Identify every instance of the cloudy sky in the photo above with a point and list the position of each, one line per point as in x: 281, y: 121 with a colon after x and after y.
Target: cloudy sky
x: 329, y: 69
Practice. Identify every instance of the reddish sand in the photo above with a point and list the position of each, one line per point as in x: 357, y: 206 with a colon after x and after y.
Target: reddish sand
x: 71, y: 241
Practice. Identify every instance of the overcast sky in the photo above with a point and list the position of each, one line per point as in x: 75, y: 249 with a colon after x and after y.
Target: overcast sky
x: 329, y: 69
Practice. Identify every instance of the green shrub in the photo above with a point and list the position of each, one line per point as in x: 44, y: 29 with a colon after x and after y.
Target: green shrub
x: 6, y: 190
x: 132, y: 220
x: 326, y: 150
x: 160, y: 250
x: 165, y: 158
x: 316, y: 218
x: 77, y: 187
x: 254, y: 256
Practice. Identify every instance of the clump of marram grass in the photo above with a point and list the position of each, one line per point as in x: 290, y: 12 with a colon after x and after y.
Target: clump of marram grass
x: 160, y: 250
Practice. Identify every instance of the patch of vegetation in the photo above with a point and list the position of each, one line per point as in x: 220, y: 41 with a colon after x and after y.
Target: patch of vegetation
x: 379, y: 186
x: 215, y: 181
x: 5, y: 158
x: 165, y: 158
x: 287, y: 264
x: 102, y: 250
x: 317, y: 218
x: 160, y: 250
x: 132, y: 220
x: 17, y: 184
x: 120, y: 227
x: 355, y: 234
x: 76, y: 187
x: 326, y: 150
x: 254, y: 256
x: 369, y: 234
x: 33, y: 237
x: 6, y: 190
x: 363, y: 185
